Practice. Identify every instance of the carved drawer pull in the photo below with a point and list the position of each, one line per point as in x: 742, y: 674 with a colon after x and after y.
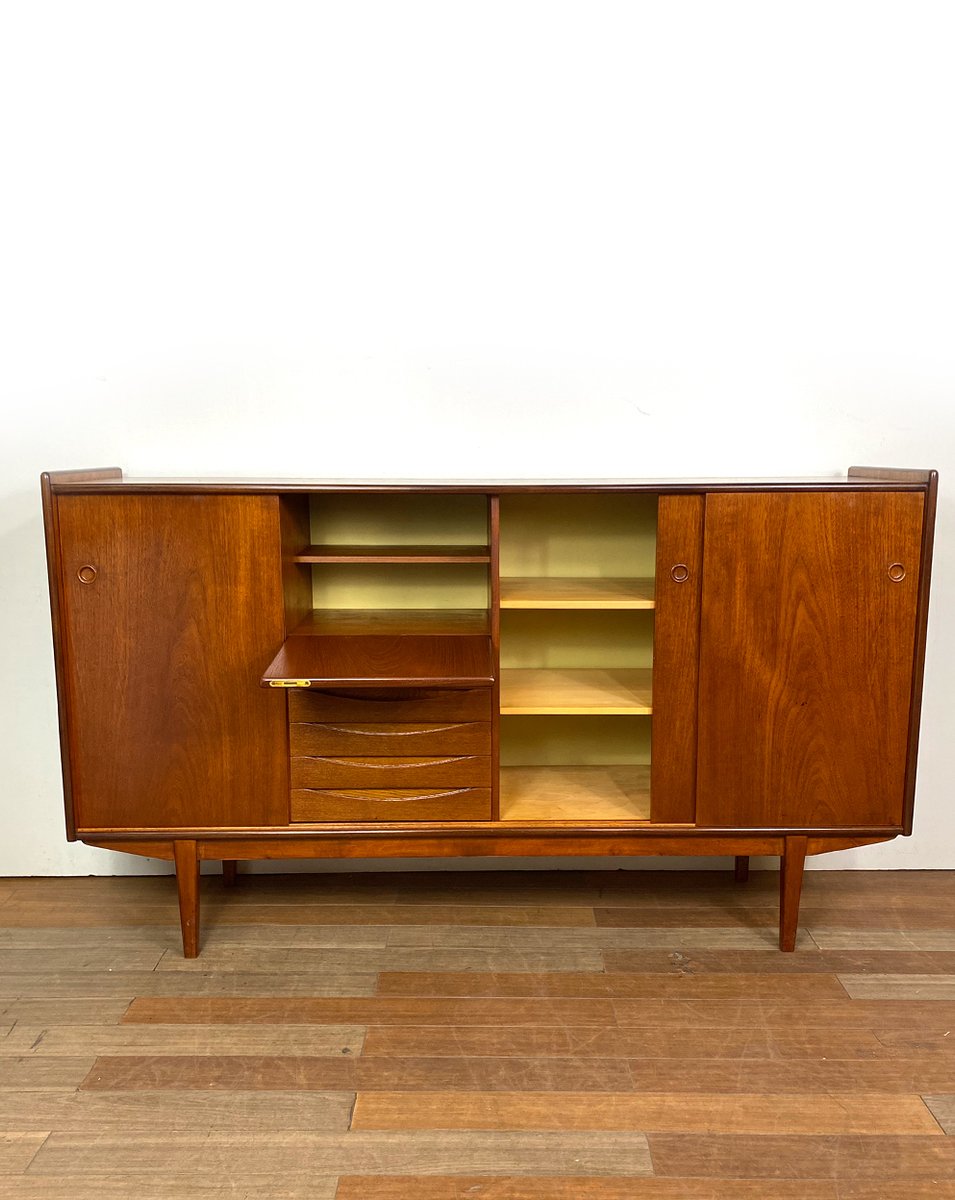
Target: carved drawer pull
x: 86, y: 574
x: 680, y: 573
x: 896, y: 572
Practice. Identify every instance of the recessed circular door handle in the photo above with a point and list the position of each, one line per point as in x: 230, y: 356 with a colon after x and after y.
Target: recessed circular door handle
x: 896, y: 572
x: 680, y: 573
x: 86, y: 574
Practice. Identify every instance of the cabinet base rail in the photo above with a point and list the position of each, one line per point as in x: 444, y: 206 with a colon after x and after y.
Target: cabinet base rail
x: 188, y: 854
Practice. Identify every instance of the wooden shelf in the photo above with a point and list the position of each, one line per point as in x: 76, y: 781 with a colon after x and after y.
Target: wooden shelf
x: 542, y: 592
x: 607, y: 793
x: 431, y: 622
x: 393, y: 554
x: 555, y: 690
x: 376, y: 660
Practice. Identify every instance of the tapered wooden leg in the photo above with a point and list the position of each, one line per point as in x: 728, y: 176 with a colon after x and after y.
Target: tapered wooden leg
x: 742, y: 868
x: 230, y: 869
x: 186, y: 855
x: 790, y: 888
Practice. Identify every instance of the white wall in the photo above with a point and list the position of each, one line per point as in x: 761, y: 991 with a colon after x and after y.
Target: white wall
x: 486, y: 239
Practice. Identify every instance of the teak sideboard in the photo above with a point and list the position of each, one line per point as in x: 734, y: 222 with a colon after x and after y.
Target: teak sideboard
x: 339, y: 669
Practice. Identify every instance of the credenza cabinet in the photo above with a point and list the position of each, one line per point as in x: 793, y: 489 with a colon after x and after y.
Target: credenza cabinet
x: 343, y: 669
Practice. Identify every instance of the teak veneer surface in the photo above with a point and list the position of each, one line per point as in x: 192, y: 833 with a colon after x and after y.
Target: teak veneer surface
x: 372, y: 660
x: 807, y: 637
x: 212, y: 751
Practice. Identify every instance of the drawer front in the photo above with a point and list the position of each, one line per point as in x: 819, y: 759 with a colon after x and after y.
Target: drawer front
x: 403, y: 739
x: 391, y: 804
x: 391, y: 704
x: 446, y: 771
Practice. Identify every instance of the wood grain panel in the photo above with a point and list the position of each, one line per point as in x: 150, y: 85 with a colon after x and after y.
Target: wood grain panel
x: 676, y: 647
x: 197, y: 581
x: 375, y: 660
x: 798, y: 1114
x: 806, y: 658
x: 391, y: 804
x: 392, y: 704
x: 394, y: 737
x: 404, y: 772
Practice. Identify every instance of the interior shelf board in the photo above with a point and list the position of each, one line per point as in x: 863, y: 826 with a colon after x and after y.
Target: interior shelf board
x: 603, y: 793
x: 559, y: 690
x: 393, y: 554
x: 376, y: 660
x: 544, y: 592
x: 393, y: 621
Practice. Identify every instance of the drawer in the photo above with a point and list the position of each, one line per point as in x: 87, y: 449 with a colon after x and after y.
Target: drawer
x: 391, y: 804
x: 391, y: 704
x: 447, y: 771
x: 402, y: 738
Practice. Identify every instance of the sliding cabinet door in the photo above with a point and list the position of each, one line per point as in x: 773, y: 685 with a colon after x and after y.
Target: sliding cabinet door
x: 807, y: 648
x: 172, y: 607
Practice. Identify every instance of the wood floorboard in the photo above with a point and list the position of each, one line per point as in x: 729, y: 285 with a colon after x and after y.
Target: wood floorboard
x: 647, y: 1112
x: 35, y: 1071
x: 232, y: 1156
x: 18, y: 1150
x: 373, y: 1010
x: 248, y: 1072
x: 899, y: 987
x: 570, y: 940
x: 68, y: 1011
x: 65, y: 1041
x: 172, y: 1186
x: 36, y: 915
x: 85, y: 986
x: 582, y: 984
x: 306, y: 959
x: 483, y: 1187
x: 769, y: 962
x: 503, y: 1035
x: 870, y: 1158
x: 70, y: 1110
x: 718, y: 1043
x: 886, y: 939
x: 822, y: 1076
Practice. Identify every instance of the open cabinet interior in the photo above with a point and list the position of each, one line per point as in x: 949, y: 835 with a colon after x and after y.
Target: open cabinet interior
x: 576, y: 656
x: 385, y: 589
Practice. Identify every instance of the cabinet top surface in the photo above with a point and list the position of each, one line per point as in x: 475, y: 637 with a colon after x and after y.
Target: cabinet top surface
x: 859, y: 479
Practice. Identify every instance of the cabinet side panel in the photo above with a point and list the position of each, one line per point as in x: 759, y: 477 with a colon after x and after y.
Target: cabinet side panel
x: 164, y: 648
x: 807, y: 657
x: 676, y: 642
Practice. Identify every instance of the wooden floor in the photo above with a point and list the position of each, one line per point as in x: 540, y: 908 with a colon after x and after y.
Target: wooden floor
x: 484, y: 1036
